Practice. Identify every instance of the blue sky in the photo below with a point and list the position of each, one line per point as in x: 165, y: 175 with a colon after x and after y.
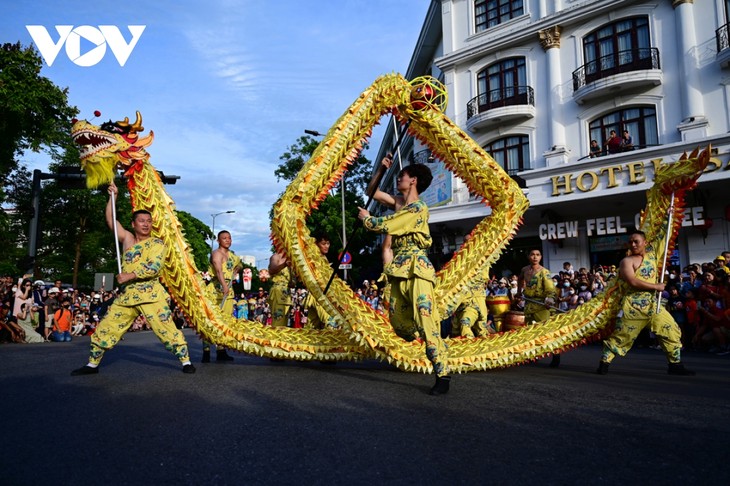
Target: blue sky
x: 227, y: 86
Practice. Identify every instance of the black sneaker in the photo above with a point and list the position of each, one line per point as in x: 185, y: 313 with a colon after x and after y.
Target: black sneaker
x: 602, y: 368
x: 222, y: 356
x: 188, y: 368
x: 85, y: 370
x: 555, y: 361
x: 679, y: 370
x: 442, y: 386
x: 206, y: 357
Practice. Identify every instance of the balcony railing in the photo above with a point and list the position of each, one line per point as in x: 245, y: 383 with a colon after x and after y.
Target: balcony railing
x: 497, y: 98
x: 722, y: 37
x: 618, y: 62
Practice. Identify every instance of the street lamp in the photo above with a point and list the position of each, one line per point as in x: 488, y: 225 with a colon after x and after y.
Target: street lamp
x: 212, y: 238
x: 342, y: 193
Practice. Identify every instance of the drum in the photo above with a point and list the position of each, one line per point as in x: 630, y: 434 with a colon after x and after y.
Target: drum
x: 513, y: 320
x: 498, y: 304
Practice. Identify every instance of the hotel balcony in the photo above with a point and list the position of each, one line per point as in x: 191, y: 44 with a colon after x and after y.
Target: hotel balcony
x: 620, y: 71
x: 722, y: 37
x: 500, y: 105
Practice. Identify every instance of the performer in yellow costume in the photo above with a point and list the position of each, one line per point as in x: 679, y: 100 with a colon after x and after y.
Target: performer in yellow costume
x: 279, y: 294
x: 411, y: 274
x: 536, y: 284
x: 223, y: 265
x: 639, y: 270
x: 142, y: 293
x: 317, y: 317
x: 471, y: 315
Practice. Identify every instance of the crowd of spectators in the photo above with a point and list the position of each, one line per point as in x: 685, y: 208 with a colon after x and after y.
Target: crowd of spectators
x: 572, y: 287
x: 34, y: 312
x: 255, y: 306
x: 697, y: 296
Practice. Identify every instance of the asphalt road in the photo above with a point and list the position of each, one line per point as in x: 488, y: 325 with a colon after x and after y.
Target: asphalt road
x: 142, y: 421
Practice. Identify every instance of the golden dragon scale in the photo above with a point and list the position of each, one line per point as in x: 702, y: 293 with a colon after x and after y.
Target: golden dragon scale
x: 366, y: 333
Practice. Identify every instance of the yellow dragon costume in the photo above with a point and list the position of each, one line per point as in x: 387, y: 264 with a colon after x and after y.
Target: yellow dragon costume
x: 364, y: 332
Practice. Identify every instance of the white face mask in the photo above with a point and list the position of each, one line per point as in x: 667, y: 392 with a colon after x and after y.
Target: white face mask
x: 571, y: 291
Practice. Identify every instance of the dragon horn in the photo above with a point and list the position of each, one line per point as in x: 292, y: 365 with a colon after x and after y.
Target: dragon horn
x: 135, y: 127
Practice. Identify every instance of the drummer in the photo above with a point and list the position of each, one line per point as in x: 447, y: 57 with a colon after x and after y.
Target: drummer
x: 536, y: 284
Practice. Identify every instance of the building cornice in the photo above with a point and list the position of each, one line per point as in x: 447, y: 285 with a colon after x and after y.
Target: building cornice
x: 521, y: 32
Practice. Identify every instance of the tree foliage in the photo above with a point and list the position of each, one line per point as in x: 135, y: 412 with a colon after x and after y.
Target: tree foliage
x: 35, y: 116
x: 197, y: 235
x: 34, y: 112
x: 328, y: 217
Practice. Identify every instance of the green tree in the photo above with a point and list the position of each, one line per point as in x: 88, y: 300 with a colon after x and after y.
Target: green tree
x: 328, y: 217
x: 34, y: 112
x: 34, y: 115
x: 197, y: 235
x: 13, y: 239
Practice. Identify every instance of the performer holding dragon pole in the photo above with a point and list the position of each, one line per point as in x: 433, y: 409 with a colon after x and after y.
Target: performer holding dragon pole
x: 223, y: 265
x: 317, y: 317
x: 639, y: 271
x: 537, y: 285
x: 142, y: 293
x: 411, y: 274
x: 279, y: 294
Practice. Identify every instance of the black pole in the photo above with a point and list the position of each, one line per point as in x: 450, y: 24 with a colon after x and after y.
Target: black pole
x: 372, y: 189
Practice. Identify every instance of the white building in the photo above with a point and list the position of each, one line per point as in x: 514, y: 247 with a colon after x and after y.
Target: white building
x: 534, y: 81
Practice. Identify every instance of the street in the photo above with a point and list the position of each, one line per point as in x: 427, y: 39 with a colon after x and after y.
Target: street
x: 142, y: 421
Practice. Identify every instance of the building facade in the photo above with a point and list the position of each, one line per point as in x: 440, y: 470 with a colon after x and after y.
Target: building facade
x: 535, y: 82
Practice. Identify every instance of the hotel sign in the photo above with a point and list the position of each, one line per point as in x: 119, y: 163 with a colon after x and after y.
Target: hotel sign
x: 614, y: 176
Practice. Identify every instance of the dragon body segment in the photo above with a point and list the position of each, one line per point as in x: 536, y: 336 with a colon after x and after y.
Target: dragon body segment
x: 365, y: 333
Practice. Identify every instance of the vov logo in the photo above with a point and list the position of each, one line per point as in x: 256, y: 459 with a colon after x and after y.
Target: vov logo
x: 71, y: 38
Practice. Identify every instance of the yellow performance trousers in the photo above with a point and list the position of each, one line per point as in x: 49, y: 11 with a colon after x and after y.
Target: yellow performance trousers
x: 662, y: 325
x: 227, y: 311
x: 119, y: 318
x: 412, y: 314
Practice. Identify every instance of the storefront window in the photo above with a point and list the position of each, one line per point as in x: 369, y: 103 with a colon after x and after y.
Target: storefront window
x: 607, y: 250
x: 512, y: 153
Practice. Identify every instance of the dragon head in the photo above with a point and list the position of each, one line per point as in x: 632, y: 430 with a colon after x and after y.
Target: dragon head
x: 666, y: 198
x: 682, y: 175
x: 110, y: 146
